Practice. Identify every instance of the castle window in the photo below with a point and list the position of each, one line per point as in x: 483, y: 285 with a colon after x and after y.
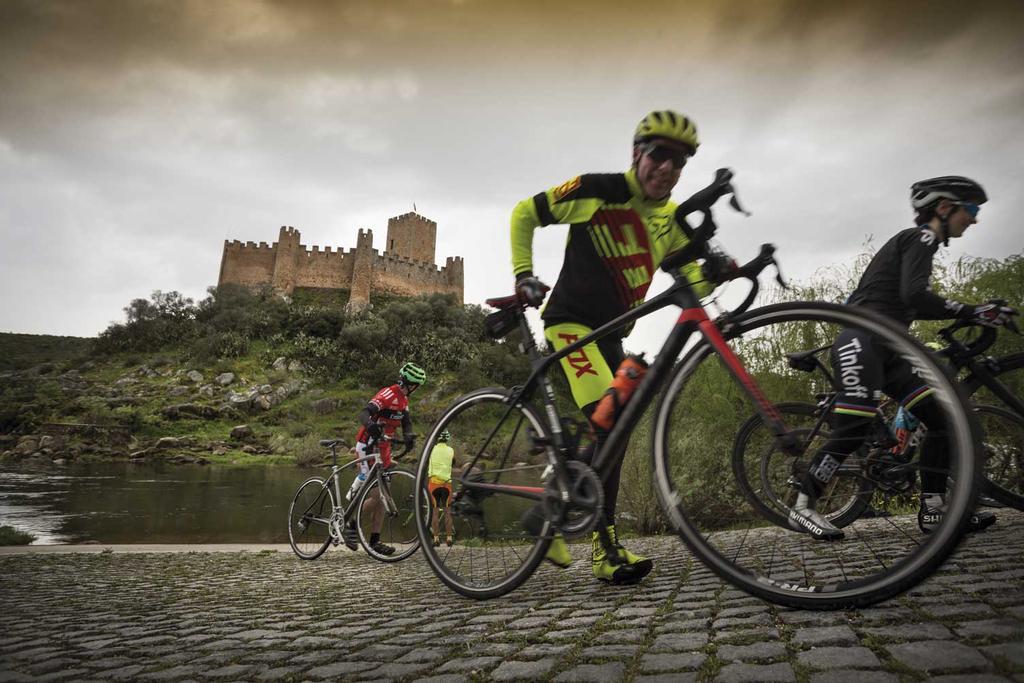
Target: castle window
x: 392, y: 245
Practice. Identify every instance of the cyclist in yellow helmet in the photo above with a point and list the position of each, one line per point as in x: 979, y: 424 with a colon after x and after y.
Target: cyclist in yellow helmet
x: 622, y: 225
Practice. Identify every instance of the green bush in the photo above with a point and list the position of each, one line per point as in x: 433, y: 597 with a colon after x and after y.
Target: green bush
x: 219, y: 345
x: 11, y: 536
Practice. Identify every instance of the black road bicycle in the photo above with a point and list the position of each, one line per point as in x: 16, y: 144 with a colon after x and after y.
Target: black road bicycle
x: 319, y: 512
x: 526, y: 454
x: 880, y: 476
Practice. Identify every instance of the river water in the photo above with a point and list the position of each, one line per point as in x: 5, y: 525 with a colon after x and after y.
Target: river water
x: 121, y: 502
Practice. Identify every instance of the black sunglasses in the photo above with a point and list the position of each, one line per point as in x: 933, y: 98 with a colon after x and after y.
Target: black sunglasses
x: 659, y: 154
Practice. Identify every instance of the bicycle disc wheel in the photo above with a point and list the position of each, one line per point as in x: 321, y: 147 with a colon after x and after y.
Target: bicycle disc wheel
x: 492, y: 552
x: 763, y: 470
x: 397, y: 525
x: 706, y: 401
x: 309, y: 518
x: 1003, y: 443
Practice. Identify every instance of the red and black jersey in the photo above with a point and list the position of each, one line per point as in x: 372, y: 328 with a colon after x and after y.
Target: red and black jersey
x: 392, y: 410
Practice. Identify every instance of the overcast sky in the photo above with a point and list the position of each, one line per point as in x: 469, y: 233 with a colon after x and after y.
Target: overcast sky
x: 136, y: 136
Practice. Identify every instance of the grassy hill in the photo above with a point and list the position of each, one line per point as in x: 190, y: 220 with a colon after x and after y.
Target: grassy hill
x: 22, y: 351
x: 177, y: 378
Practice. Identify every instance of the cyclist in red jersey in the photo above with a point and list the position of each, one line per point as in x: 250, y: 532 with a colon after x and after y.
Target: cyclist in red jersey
x: 386, y: 411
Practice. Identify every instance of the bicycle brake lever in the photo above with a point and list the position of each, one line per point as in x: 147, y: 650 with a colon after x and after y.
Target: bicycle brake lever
x: 778, y: 276
x: 734, y: 202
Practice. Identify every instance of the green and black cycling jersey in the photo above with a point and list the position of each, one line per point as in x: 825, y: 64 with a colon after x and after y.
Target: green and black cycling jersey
x: 617, y: 239
x: 897, y: 281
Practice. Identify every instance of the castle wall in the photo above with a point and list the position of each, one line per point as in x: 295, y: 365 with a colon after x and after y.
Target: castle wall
x: 324, y: 269
x: 249, y: 264
x: 404, y: 277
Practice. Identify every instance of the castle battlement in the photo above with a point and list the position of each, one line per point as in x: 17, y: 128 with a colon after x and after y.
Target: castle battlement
x: 404, y: 267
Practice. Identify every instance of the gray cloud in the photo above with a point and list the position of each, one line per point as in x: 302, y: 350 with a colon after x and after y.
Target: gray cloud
x: 136, y: 136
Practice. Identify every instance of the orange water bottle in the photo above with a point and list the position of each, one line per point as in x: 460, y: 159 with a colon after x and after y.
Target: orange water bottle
x: 627, y: 378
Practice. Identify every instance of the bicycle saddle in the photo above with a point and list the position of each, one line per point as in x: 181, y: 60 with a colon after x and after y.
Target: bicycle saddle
x: 503, y: 302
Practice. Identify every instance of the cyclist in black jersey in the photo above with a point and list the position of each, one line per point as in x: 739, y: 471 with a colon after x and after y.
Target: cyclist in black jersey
x: 896, y: 283
x: 622, y: 225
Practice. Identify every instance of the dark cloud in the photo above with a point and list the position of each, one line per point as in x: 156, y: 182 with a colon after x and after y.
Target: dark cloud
x: 144, y: 133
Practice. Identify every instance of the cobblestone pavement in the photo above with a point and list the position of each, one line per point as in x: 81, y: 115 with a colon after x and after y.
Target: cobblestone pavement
x: 269, y: 616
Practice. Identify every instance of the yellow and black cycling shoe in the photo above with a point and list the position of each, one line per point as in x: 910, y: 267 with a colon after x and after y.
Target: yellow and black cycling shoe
x: 558, y: 553
x: 627, y: 568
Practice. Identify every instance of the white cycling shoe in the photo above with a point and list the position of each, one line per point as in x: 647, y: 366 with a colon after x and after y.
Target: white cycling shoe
x: 803, y: 517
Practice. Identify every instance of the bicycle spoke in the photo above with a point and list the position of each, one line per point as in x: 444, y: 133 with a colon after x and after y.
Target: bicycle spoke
x: 722, y: 518
x: 871, y: 549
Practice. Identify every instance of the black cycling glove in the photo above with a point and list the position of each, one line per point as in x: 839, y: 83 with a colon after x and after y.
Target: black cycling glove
x: 530, y: 290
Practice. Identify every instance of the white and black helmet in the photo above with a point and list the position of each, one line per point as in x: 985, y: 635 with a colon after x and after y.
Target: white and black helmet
x: 926, y: 193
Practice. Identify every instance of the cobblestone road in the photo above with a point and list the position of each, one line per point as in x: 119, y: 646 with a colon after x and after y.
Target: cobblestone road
x: 270, y: 616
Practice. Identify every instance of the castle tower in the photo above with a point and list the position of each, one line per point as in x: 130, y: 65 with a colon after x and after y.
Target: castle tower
x: 454, y: 273
x: 286, y: 260
x: 362, y: 271
x: 411, y: 236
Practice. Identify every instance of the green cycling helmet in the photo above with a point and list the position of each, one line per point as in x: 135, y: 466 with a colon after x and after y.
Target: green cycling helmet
x: 445, y: 436
x: 412, y: 374
x: 670, y: 125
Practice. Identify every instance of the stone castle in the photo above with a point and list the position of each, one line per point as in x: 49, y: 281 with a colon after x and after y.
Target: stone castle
x: 405, y: 267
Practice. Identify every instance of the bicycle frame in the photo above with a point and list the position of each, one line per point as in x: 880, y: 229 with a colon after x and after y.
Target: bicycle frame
x: 969, y: 356
x: 979, y: 369
x: 347, y: 510
x: 692, y: 318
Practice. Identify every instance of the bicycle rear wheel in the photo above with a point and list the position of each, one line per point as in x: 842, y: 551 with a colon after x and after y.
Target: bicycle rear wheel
x: 309, y: 518
x: 492, y: 552
x: 398, y: 525
x: 1003, y: 443
x: 763, y: 470
x: 702, y: 407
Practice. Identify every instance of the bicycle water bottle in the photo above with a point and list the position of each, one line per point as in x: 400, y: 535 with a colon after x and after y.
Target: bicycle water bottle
x: 357, y: 484
x: 625, y: 381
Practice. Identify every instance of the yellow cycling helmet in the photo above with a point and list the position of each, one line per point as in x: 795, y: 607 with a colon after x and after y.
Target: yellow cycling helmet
x: 667, y: 124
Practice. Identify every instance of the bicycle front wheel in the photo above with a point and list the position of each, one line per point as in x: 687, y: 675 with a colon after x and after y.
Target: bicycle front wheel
x: 1003, y: 443
x: 702, y: 407
x: 497, y: 537
x: 309, y: 519
x: 763, y: 470
x: 386, y: 507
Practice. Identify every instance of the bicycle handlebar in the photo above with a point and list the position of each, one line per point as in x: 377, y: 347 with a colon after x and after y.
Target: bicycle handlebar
x: 752, y: 269
x: 724, y: 267
x: 702, y: 201
x: 958, y: 350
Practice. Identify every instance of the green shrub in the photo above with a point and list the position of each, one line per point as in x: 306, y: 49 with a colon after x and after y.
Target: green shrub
x: 218, y: 345
x: 11, y: 536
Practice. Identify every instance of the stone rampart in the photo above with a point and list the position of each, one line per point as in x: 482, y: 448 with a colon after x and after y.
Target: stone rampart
x: 405, y: 268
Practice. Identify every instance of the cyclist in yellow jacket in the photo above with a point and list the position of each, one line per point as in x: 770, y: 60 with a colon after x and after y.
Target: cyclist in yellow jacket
x: 622, y: 225
x: 439, y: 485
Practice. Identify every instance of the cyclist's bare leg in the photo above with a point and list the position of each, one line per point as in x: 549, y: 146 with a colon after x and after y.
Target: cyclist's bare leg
x: 374, y: 507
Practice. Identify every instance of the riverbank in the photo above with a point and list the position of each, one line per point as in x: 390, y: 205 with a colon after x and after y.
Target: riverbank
x: 269, y: 616
x: 133, y: 548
